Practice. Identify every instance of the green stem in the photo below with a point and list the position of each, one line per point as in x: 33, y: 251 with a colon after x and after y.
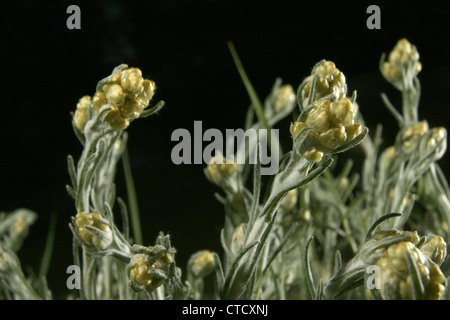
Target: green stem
x: 256, y: 102
x: 88, y: 275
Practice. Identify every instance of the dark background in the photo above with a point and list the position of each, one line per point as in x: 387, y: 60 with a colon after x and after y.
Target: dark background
x: 181, y: 45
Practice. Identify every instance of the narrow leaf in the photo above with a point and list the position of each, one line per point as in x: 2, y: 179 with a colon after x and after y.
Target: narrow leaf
x: 417, y: 284
x: 48, y: 250
x: 132, y: 198
x: 309, y: 275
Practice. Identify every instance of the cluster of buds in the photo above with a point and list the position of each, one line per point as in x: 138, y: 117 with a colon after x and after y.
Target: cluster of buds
x: 125, y: 92
x: 93, y: 229
x: 329, y: 81
x: 149, y: 267
x: 396, y: 279
x: 220, y: 169
x: 438, y: 138
x: 403, y: 59
x: 333, y: 125
x: 283, y: 98
x: 201, y: 263
x: 407, y: 267
x: 414, y: 132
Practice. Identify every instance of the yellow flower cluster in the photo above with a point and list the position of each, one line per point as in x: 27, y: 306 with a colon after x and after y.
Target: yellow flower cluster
x: 413, y: 133
x: 100, y: 239
x: 396, y: 280
x: 202, y: 263
x: 333, y: 125
x: 329, y: 81
x: 148, y: 271
x: 125, y: 91
x: 437, y: 135
x: 403, y: 54
x: 219, y: 169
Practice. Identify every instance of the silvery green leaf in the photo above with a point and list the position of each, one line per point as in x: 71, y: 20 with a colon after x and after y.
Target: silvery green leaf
x: 309, y: 275
x: 158, y: 107
x: 416, y: 280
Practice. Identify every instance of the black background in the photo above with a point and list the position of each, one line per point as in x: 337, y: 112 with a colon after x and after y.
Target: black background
x: 181, y: 45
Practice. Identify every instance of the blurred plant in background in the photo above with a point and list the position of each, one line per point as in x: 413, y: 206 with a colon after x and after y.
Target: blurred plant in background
x: 311, y: 231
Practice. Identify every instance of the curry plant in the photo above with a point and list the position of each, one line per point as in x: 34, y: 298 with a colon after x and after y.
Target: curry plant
x: 313, y: 230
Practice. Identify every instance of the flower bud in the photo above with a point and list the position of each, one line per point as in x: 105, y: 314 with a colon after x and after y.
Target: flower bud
x: 149, y: 268
x: 126, y: 92
x: 81, y: 113
x: 132, y: 109
x: 93, y: 229
x: 332, y: 126
x: 284, y: 97
x: 396, y: 279
x: 98, y: 101
x: 404, y: 55
x: 201, y: 263
x: 437, y: 135
x: 313, y: 155
x: 329, y: 81
x: 147, y: 92
x: 353, y: 131
x: 131, y: 80
x: 342, y: 112
x: 333, y: 138
x: 296, y: 127
x: 318, y: 116
x: 116, y: 120
x: 412, y: 134
x: 115, y: 94
x: 220, y: 169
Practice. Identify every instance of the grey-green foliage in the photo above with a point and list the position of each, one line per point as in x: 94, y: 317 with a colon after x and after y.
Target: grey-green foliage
x: 304, y: 233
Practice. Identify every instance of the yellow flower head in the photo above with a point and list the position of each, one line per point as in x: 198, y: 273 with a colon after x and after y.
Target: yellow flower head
x: 284, y: 97
x: 412, y: 134
x: 333, y: 125
x: 202, y: 263
x: 219, y: 169
x: 403, y: 56
x: 329, y: 81
x: 101, y: 237
x: 125, y: 92
x: 396, y: 280
x: 148, y: 269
